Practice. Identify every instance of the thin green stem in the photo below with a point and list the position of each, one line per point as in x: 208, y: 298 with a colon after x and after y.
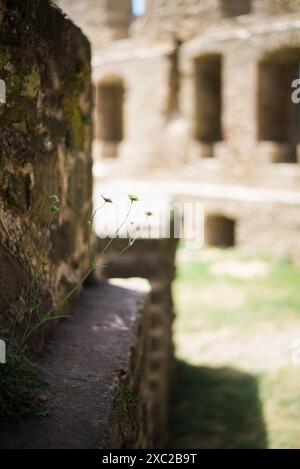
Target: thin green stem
x: 78, y: 285
x: 12, y: 334
x: 74, y: 290
x: 28, y: 323
x: 90, y: 231
x: 39, y: 261
x: 117, y: 231
x: 39, y: 324
x: 129, y: 245
x: 31, y: 296
x: 58, y: 306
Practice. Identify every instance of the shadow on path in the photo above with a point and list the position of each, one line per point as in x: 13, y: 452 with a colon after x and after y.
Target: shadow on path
x: 215, y: 408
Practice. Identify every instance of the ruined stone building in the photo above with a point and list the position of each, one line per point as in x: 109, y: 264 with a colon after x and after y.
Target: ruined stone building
x: 198, y: 93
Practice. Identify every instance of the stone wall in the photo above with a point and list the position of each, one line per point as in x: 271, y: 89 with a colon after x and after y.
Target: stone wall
x: 163, y: 18
x: 190, y: 18
x: 157, y: 142
x: 275, y: 7
x: 263, y: 222
x: 242, y: 157
x: 222, y: 138
x: 45, y: 130
x: 139, y: 70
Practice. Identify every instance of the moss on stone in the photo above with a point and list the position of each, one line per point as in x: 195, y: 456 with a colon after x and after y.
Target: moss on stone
x: 32, y: 83
x: 76, y: 125
x: 75, y: 117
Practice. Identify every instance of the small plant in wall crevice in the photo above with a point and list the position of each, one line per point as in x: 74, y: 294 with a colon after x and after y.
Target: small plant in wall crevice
x: 22, y: 382
x: 124, y: 403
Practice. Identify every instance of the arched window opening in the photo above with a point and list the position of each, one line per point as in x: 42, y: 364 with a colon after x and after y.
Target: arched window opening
x: 110, y: 114
x: 219, y: 231
x: 208, y: 99
x: 278, y: 116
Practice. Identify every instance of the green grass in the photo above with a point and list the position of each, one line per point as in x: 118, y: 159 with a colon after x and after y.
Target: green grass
x: 237, y: 317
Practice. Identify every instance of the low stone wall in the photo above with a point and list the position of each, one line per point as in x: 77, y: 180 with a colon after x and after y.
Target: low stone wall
x: 45, y: 131
x: 263, y: 223
x: 153, y: 259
